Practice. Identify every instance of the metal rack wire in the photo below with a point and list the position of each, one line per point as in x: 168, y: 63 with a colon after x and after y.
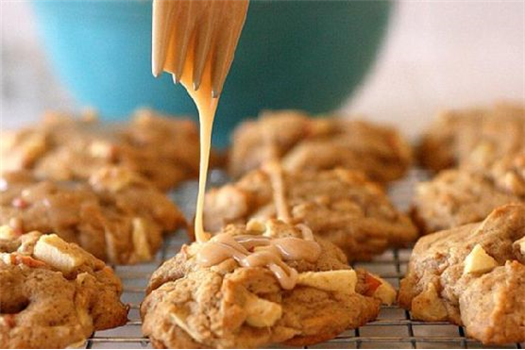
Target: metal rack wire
x: 394, y: 327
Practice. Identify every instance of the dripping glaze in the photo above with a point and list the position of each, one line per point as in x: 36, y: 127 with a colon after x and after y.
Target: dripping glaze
x: 175, y: 24
x: 177, y: 28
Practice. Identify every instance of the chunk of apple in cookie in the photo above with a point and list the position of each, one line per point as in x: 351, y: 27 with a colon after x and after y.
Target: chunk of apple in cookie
x: 428, y: 305
x: 114, y: 179
x: 59, y: 254
x: 478, y: 261
x: 381, y: 289
x: 519, y: 248
x: 261, y: 312
x: 140, y: 239
x: 101, y: 149
x: 7, y: 232
x: 256, y: 226
x: 343, y: 281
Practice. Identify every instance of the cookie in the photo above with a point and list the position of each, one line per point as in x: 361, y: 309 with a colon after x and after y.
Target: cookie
x: 163, y: 149
x: 472, y: 275
x: 252, y: 286
x: 507, y: 173
x: 339, y: 205
x: 493, y: 308
x: 304, y: 143
x: 53, y: 294
x: 457, y: 197
x: 118, y: 216
x: 460, y: 137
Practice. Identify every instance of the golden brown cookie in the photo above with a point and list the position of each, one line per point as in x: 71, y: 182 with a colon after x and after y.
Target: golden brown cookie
x: 163, y: 149
x: 53, y: 294
x: 118, y: 216
x: 304, y: 143
x: 232, y: 304
x: 457, y: 197
x: 478, y: 136
x: 339, y: 205
x: 507, y: 173
x: 493, y: 308
x: 472, y: 275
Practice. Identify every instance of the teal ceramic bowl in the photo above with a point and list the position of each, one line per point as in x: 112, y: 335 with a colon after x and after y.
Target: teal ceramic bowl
x: 308, y: 55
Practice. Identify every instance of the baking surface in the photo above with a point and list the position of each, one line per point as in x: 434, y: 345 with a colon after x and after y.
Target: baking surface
x: 393, y: 329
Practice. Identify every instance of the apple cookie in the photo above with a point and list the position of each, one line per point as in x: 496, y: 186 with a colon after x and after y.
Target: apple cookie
x: 472, y: 275
x: 163, y: 149
x: 457, y: 197
x: 118, y: 216
x: 53, y: 294
x: 459, y: 137
x: 304, y: 143
x: 339, y: 205
x: 256, y: 285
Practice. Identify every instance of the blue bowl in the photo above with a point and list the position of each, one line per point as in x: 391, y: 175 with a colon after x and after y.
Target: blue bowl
x: 308, y: 55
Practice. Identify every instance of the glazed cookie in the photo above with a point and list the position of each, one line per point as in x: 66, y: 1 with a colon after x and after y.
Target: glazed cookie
x: 478, y: 136
x: 53, y: 294
x: 118, y: 216
x: 472, y: 275
x: 304, y: 143
x: 255, y: 285
x: 339, y: 205
x: 457, y: 197
x: 163, y: 149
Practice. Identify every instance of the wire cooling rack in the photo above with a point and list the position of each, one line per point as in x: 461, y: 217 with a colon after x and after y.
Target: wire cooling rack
x: 394, y: 328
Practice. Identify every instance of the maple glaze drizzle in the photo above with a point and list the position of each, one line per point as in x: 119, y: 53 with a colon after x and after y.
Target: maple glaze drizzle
x: 261, y: 251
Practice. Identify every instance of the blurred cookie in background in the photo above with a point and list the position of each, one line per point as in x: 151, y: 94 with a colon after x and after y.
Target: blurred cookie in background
x: 305, y: 143
x: 473, y: 137
x: 163, y: 149
x: 118, y: 216
x: 460, y: 196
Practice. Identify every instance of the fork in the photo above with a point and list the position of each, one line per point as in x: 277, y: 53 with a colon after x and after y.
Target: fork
x: 201, y: 31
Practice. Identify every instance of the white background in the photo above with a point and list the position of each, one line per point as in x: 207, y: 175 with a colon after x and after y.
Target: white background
x: 438, y: 54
